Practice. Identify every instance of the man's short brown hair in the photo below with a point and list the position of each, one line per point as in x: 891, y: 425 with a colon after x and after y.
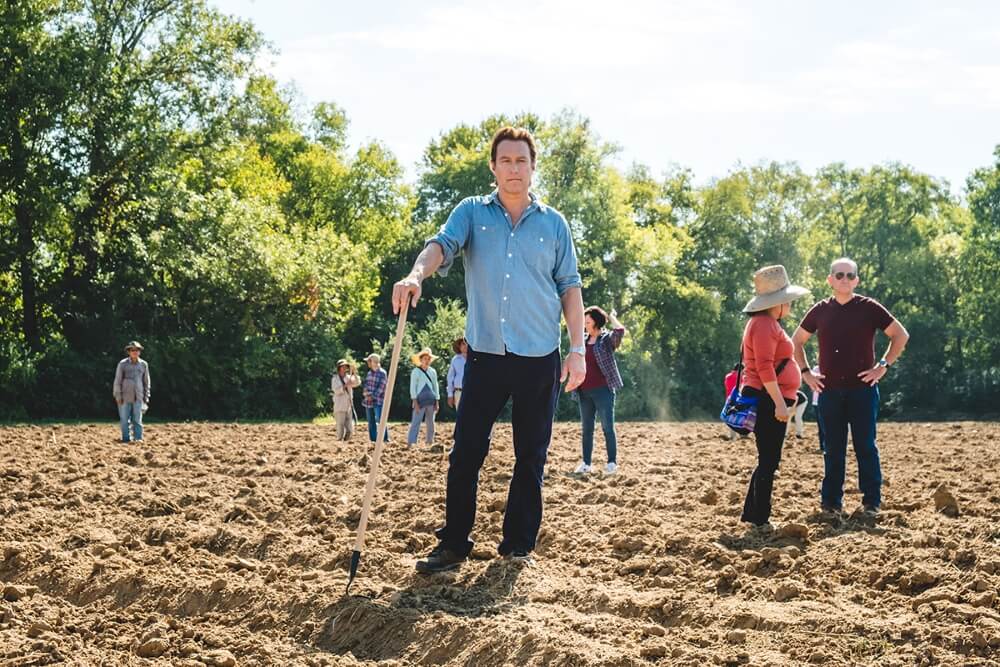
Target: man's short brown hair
x: 508, y: 133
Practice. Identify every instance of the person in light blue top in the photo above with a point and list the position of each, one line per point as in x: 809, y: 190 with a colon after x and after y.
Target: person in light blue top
x: 521, y: 277
x: 425, y: 395
x: 456, y: 372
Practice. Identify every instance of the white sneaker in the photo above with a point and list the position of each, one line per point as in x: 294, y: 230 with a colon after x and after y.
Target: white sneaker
x: 611, y: 468
x: 583, y: 469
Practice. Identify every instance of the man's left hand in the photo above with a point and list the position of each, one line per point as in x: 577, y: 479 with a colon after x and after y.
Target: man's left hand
x: 872, y: 375
x: 574, y: 368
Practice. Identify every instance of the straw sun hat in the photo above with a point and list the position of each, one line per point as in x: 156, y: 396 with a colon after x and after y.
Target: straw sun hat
x: 771, y: 288
x: 416, y: 358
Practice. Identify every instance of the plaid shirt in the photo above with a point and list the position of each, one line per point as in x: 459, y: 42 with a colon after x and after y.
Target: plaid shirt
x: 604, y: 352
x: 374, y: 388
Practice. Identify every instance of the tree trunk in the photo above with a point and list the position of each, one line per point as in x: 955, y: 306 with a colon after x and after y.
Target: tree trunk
x: 26, y: 260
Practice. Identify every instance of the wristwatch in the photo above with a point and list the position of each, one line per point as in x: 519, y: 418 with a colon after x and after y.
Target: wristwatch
x: 579, y: 349
x: 883, y: 363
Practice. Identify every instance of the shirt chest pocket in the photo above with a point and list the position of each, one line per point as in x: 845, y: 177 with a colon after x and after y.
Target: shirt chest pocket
x: 538, y: 251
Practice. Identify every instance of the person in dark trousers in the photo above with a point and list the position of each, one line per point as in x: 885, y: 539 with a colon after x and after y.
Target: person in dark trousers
x: 847, y: 382
x: 769, y: 375
x: 520, y: 277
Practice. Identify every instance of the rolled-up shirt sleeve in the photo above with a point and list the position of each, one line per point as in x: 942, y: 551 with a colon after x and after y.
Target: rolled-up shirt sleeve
x: 454, y: 234
x: 146, y: 382
x: 566, y: 274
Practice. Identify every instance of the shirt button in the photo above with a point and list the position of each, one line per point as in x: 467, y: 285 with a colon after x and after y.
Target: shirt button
x: 512, y: 233
x: 502, y: 319
x: 509, y: 255
x: 507, y: 276
x: 484, y: 229
x: 505, y: 298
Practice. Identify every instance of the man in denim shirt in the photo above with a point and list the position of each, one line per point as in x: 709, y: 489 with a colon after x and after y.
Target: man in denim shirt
x: 520, y: 277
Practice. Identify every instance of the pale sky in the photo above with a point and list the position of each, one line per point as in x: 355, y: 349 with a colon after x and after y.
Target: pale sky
x: 704, y: 84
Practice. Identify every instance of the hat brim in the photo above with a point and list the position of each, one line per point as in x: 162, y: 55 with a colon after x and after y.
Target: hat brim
x: 129, y: 348
x: 786, y: 294
x: 416, y: 358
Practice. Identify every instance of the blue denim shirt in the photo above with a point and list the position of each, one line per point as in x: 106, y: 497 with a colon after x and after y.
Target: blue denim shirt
x: 515, y: 276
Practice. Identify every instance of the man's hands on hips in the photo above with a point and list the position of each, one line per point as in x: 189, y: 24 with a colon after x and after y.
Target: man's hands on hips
x: 814, y: 380
x: 575, y: 368
x: 407, y: 288
x: 872, y: 375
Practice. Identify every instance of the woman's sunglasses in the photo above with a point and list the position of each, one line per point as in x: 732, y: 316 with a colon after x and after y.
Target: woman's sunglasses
x: 850, y: 275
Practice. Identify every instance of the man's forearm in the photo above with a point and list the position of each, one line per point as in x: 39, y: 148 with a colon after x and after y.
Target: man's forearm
x: 572, y: 305
x: 799, y: 354
x: 896, y: 345
x: 427, y: 262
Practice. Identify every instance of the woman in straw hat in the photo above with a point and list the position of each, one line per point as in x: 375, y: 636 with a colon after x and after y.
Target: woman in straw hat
x: 425, y: 394
x: 770, y: 375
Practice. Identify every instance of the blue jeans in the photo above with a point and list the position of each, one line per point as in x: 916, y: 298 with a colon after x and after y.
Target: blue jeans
x: 425, y: 415
x: 857, y: 409
x: 598, y: 402
x: 819, y: 427
x: 374, y: 415
x: 131, y: 412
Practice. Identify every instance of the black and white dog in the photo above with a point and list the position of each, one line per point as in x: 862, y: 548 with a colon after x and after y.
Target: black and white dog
x: 798, y: 410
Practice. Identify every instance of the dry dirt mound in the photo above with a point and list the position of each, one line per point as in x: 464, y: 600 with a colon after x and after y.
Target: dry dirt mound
x: 224, y: 544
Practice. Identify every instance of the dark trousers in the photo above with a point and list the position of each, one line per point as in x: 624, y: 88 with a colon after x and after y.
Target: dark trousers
x: 769, y: 434
x: 819, y: 427
x: 857, y: 409
x: 490, y: 380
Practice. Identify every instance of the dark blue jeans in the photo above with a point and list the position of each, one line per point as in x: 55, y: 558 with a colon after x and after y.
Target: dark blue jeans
x: 819, y: 427
x: 490, y: 381
x: 857, y: 409
x: 593, y: 403
x: 374, y: 415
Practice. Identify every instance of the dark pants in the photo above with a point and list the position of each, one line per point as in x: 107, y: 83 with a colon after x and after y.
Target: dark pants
x: 598, y: 402
x: 769, y: 434
x: 857, y: 409
x: 490, y: 380
x: 819, y: 428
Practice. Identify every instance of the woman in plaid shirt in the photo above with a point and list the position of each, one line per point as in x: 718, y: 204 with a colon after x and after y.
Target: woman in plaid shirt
x: 373, y: 395
x: 597, y: 393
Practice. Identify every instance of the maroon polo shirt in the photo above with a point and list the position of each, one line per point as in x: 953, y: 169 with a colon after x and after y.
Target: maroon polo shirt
x: 846, y: 338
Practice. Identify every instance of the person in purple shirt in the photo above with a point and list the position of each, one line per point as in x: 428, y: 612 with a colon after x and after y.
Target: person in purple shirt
x: 847, y: 383
x: 597, y: 393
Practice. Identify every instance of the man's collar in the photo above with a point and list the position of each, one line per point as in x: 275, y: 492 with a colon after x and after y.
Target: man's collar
x: 493, y: 198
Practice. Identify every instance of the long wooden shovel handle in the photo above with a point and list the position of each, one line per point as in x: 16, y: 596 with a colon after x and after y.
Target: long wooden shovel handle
x: 366, y: 504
